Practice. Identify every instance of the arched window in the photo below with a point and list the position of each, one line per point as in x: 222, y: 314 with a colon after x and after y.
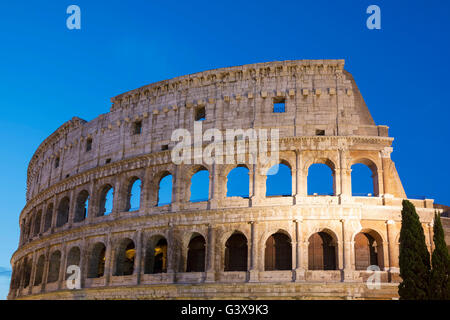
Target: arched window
x: 320, y: 179
x: 37, y: 223
x: 133, y: 195
x: 73, y: 258
x: 200, y: 186
x: 53, y: 269
x: 63, y: 212
x: 364, y: 178
x: 238, y: 182
x: 196, y: 254
x: 278, y: 253
x: 82, y: 205
x: 279, y: 181
x: 165, y: 190
x: 39, y: 270
x: 368, y: 251
x: 236, y: 252
x: 126, y: 253
x: 156, y: 255
x: 27, y: 272
x: 97, y: 261
x: 321, y: 252
x: 48, y: 217
x: 106, y: 201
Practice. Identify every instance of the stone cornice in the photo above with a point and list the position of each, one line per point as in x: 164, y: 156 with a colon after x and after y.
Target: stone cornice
x: 231, y: 74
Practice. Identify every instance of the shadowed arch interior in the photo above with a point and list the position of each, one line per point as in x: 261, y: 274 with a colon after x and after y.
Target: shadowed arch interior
x: 63, y: 212
x: 196, y: 254
x: 321, y: 252
x: 278, y: 252
x: 126, y: 253
x: 81, y: 207
x: 236, y: 251
x: 97, y: 261
x: 54, y: 266
x: 156, y: 255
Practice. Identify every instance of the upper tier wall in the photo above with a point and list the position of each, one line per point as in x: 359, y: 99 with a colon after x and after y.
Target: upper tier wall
x: 319, y: 95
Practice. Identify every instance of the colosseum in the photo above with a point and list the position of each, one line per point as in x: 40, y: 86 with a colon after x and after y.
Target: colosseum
x: 260, y: 246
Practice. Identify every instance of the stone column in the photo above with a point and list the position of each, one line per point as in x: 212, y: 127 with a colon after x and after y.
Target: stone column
x: 109, y: 257
x: 62, y: 266
x: 72, y: 206
x: 33, y: 271
x: 93, y: 202
x: 171, y: 256
x: 83, y: 262
x: 346, y: 182
x: 46, y: 267
x: 139, y: 256
x: 210, y: 272
x: 54, y: 214
x: 347, y: 250
x: 300, y: 256
x: 117, y: 201
x: 213, y: 187
x: 253, y: 272
x: 393, y: 250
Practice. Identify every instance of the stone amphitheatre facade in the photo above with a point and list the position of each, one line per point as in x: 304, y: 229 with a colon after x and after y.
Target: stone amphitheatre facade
x: 296, y: 246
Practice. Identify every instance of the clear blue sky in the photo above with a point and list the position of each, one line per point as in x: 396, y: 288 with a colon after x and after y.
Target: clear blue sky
x: 48, y: 74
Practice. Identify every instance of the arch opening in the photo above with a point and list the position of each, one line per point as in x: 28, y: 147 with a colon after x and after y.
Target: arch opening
x: 278, y: 252
x: 200, y: 186
x: 54, y: 266
x: 81, y: 207
x: 322, y: 252
x: 106, y: 201
x: 126, y: 253
x: 165, y: 190
x: 133, y: 195
x: 236, y: 251
x: 368, y: 250
x: 156, y: 255
x: 97, y: 261
x: 196, y: 254
x: 39, y: 270
x: 63, y: 212
x: 279, y: 181
x: 364, y: 179
x: 320, y: 180
x: 238, y: 182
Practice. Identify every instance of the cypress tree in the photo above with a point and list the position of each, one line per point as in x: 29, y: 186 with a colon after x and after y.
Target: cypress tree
x: 414, y: 257
x: 440, y: 259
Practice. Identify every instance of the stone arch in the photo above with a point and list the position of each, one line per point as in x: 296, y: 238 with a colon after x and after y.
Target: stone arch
x: 73, y: 258
x: 81, y: 206
x: 28, y: 266
x: 106, y: 196
x: 323, y: 250
x: 278, y: 251
x: 156, y: 254
x: 96, y: 261
x: 195, y: 170
x: 54, y: 266
x: 133, y: 196
x: 39, y: 274
x: 230, y: 181
x: 196, y: 253
x: 125, y: 257
x: 368, y: 246
x: 373, y: 168
x: 320, y: 161
x: 37, y: 223
x: 162, y: 200
x: 236, y: 252
x: 48, y: 217
x: 63, y: 212
x: 279, y: 171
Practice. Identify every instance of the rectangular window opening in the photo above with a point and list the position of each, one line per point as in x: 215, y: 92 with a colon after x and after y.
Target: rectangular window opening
x: 137, y: 127
x: 165, y: 147
x: 320, y: 132
x: 57, y: 162
x: 200, y: 114
x: 108, y: 160
x: 279, y: 105
x: 89, y: 145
